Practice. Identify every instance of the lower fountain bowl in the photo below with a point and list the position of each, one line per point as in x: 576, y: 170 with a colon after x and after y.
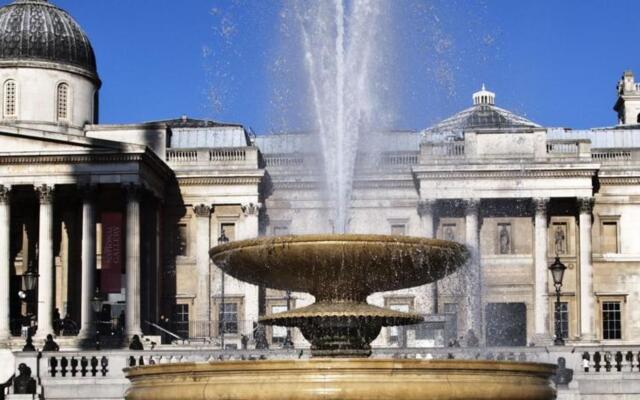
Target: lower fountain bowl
x: 343, y: 379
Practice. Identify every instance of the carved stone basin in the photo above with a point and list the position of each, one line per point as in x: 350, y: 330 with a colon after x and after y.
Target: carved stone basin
x: 340, y: 271
x: 340, y: 379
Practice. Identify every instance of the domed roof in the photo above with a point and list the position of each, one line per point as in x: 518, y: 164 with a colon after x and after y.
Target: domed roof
x: 483, y: 115
x: 36, y: 30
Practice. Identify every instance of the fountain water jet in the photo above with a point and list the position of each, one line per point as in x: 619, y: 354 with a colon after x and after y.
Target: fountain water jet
x: 340, y: 60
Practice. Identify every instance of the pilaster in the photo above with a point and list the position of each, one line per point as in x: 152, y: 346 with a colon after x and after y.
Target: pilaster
x: 587, y: 297
x: 203, y: 242
x: 541, y: 272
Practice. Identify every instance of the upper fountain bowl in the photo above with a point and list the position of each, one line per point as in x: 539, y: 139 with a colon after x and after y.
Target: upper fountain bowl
x: 340, y: 267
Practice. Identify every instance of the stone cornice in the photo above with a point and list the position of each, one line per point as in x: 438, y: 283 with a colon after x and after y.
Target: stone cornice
x: 148, y: 156
x: 68, y: 158
x: 219, y: 180
x: 619, y: 180
x: 386, y: 184
x: 507, y: 174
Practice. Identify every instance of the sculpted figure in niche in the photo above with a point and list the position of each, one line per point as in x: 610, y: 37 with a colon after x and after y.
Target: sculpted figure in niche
x: 449, y: 234
x: 505, y: 239
x: 560, y: 240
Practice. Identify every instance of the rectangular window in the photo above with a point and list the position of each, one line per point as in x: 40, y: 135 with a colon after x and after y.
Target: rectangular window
x: 609, y: 236
x: 280, y: 230
x: 562, y: 316
x: 396, y: 333
x: 611, y: 320
x: 181, y: 318
x: 10, y: 99
x: 228, y: 318
x: 451, y: 330
x: 398, y: 229
x: 278, y: 333
x: 229, y: 230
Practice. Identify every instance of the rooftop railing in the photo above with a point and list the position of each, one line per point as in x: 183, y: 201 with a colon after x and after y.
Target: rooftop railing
x: 218, y: 156
x: 445, y: 150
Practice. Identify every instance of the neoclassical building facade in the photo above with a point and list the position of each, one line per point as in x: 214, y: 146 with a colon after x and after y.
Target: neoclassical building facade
x: 116, y: 221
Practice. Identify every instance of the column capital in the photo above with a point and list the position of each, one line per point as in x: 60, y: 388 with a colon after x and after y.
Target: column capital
x: 202, y: 210
x: 45, y: 193
x: 426, y: 207
x: 471, y: 206
x: 88, y: 191
x: 251, y: 208
x: 5, y: 194
x: 133, y: 191
x: 540, y: 205
x: 585, y: 204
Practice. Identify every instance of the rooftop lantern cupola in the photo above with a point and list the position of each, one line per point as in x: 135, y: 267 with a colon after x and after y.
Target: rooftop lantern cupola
x: 484, y: 97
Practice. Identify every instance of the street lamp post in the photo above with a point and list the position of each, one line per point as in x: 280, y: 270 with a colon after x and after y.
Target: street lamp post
x: 96, y: 305
x: 288, y: 341
x: 223, y: 239
x: 557, y: 272
x: 29, y: 282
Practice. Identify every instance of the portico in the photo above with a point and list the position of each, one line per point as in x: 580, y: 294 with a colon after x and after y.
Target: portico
x: 55, y: 189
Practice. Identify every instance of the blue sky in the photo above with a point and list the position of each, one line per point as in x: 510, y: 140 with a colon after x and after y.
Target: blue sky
x: 557, y: 62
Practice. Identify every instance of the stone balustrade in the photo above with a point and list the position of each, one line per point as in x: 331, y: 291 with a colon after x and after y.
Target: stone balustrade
x: 218, y: 156
x: 100, y: 374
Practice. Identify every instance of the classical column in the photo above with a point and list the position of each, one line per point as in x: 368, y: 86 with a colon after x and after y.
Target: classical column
x: 88, y: 261
x: 541, y: 298
x: 425, y: 211
x: 132, y: 313
x: 45, y: 262
x: 250, y: 230
x: 203, y: 243
x: 474, y: 275
x: 5, y: 259
x: 587, y: 299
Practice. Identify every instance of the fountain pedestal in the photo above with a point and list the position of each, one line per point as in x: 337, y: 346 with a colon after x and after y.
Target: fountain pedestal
x: 341, y: 271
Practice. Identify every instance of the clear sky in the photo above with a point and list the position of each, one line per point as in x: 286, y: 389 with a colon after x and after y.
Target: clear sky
x: 557, y: 62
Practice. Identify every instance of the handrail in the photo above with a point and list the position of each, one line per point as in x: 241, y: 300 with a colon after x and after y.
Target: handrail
x: 168, y: 332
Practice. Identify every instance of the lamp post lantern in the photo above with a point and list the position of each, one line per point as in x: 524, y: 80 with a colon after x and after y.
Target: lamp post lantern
x: 557, y: 272
x: 223, y: 239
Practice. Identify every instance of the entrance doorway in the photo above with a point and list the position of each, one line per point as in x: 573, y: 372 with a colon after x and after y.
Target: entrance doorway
x: 506, y: 324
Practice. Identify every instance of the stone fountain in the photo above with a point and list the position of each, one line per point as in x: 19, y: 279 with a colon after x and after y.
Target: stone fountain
x: 341, y: 271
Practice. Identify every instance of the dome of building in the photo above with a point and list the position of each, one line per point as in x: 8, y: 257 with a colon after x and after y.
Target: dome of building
x: 38, y: 31
x: 482, y: 115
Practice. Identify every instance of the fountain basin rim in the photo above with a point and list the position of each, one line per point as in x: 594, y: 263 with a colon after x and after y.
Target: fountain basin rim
x: 334, y: 239
x: 277, y: 262
x: 342, y: 310
x: 344, y: 364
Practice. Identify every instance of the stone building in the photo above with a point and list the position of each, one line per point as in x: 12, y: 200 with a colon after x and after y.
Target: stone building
x: 121, y: 217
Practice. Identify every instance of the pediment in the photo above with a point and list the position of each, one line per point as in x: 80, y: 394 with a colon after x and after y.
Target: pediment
x: 16, y: 142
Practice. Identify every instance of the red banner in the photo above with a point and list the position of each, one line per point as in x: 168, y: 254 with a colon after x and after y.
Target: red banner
x: 112, y: 232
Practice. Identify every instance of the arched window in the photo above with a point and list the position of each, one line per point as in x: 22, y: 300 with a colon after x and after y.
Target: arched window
x: 62, y: 102
x: 10, y: 95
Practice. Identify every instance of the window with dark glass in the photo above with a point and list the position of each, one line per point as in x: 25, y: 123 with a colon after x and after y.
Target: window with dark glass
x: 611, y: 320
x: 181, y: 318
x: 228, y: 317
x: 562, y: 316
